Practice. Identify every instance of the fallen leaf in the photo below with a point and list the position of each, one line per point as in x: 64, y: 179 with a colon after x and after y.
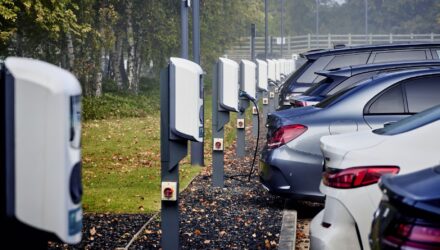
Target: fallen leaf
x: 222, y: 233
x: 197, y: 232
x: 207, y: 241
x: 92, y: 231
x: 267, y: 244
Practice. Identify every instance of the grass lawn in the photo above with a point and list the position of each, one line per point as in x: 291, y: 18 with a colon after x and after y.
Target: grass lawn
x: 121, y: 171
x: 121, y: 162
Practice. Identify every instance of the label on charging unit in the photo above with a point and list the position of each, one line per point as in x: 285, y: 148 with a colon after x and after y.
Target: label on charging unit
x: 265, y: 101
x: 254, y: 111
x: 75, y: 221
x: 271, y: 94
x: 276, y: 90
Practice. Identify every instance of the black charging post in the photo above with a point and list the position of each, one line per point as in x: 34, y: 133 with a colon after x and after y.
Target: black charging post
x: 180, y: 97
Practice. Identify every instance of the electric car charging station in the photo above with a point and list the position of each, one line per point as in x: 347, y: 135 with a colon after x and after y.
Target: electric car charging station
x: 181, y: 97
x: 225, y: 86
x: 41, y: 186
x: 247, y: 93
x: 262, y: 86
x: 272, y: 82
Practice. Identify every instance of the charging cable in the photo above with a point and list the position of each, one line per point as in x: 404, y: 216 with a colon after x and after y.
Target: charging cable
x: 254, y: 101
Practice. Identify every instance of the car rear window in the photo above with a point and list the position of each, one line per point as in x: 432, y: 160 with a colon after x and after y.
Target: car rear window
x: 391, y: 56
x: 309, y: 75
x: 317, y: 88
x: 423, y: 93
x: 352, y: 81
x: 410, y: 123
x: 348, y: 60
x: 388, y: 102
x: 298, y: 73
x: 332, y: 99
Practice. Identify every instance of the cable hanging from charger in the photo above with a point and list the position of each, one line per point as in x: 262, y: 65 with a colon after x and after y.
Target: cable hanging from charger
x: 251, y: 171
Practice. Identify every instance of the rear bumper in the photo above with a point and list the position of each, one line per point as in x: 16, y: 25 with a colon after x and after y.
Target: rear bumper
x: 334, y: 228
x: 291, y: 173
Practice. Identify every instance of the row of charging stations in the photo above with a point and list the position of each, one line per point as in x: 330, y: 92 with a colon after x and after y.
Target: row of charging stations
x: 40, y: 178
x: 234, y: 85
x: 40, y: 156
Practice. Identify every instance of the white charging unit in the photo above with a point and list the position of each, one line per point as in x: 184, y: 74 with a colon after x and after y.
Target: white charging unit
x: 262, y: 75
x: 229, y: 84
x: 186, y: 99
x: 271, y: 70
x: 43, y: 161
x: 248, y: 77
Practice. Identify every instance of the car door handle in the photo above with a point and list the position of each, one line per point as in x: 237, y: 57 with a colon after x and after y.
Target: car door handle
x: 386, y: 124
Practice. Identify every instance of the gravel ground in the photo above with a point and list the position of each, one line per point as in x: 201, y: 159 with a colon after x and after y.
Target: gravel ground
x: 106, y: 231
x: 240, y: 216
x: 306, y: 211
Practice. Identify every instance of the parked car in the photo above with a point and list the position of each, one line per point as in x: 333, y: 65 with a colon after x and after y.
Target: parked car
x: 291, y: 162
x: 409, y: 213
x: 354, y: 162
x: 318, y: 60
x: 340, y: 78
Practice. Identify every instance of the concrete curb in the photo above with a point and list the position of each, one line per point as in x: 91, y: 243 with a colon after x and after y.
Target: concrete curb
x: 288, y: 229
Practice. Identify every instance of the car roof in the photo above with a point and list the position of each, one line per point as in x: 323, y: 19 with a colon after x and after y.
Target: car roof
x: 408, y: 73
x: 381, y: 81
x: 315, y: 54
x: 358, y: 69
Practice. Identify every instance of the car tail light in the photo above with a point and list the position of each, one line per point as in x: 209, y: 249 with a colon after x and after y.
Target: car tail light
x: 299, y: 104
x: 409, y: 236
x: 285, y: 134
x: 357, y: 176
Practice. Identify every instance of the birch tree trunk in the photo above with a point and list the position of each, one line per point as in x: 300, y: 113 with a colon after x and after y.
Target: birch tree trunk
x: 131, y: 49
x: 70, y: 52
x: 98, y: 81
x: 117, y: 62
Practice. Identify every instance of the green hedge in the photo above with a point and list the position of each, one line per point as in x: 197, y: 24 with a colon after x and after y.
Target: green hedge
x: 112, y: 105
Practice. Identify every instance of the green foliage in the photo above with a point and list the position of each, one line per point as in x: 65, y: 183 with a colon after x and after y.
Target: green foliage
x: 112, y: 105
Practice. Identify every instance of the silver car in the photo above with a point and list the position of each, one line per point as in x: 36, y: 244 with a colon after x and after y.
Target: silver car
x: 291, y: 163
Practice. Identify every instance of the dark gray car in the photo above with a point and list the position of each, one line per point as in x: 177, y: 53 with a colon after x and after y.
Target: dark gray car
x: 319, y: 60
x: 340, y: 78
x: 291, y: 163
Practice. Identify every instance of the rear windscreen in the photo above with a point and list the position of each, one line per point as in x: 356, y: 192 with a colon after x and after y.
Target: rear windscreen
x: 410, y: 123
x: 332, y: 99
x: 352, y: 81
x: 317, y: 88
x: 309, y: 75
x: 297, y: 74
